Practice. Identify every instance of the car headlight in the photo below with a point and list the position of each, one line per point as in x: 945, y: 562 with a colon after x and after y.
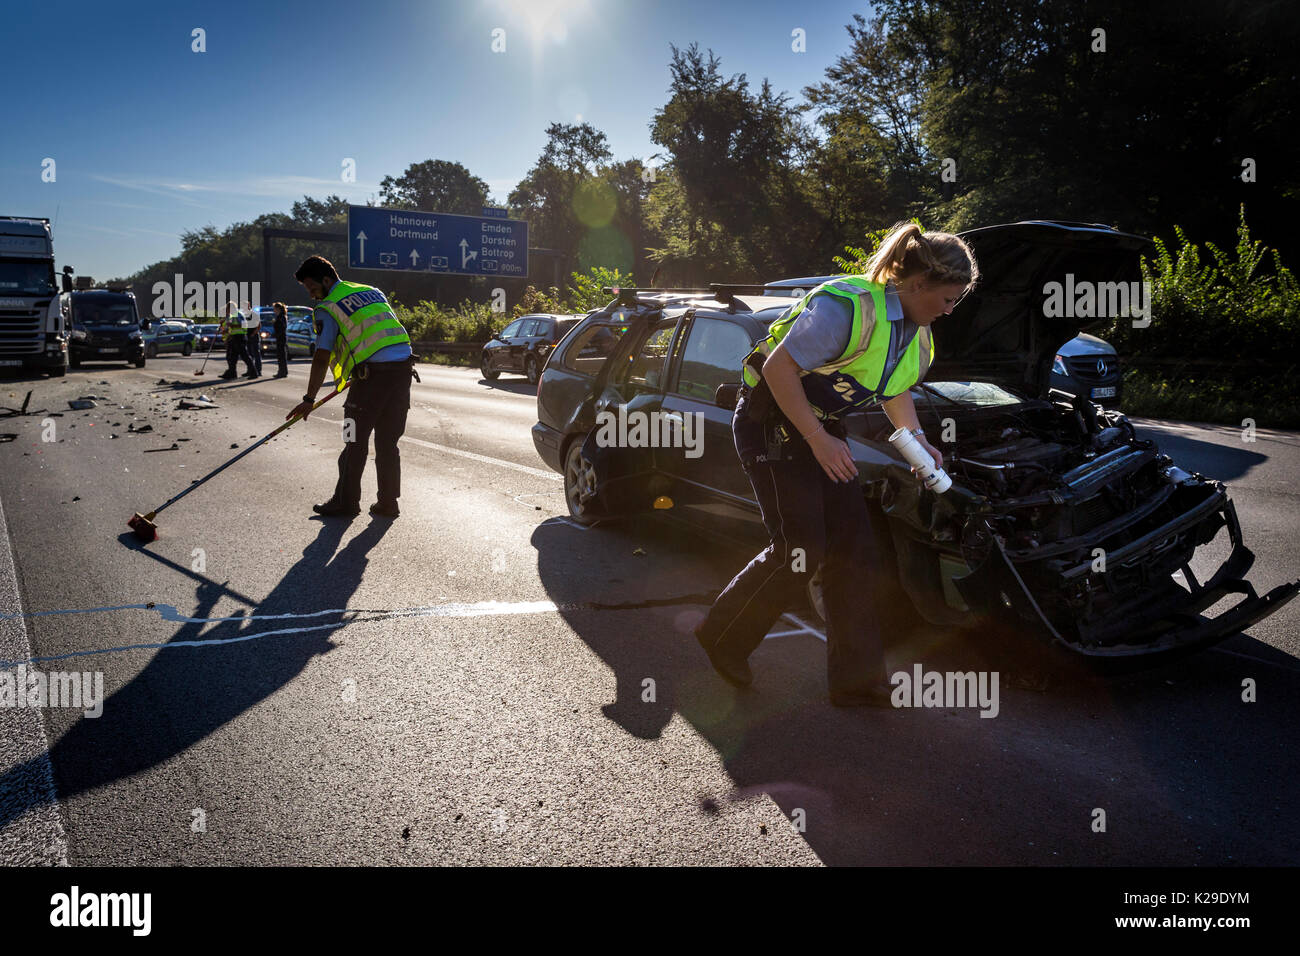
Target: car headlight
x: 136, y: 337
x: 79, y: 334
x: 1058, y: 365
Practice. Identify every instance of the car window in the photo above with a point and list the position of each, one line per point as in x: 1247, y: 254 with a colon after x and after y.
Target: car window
x: 588, y: 352
x: 532, y: 327
x: 512, y: 329
x: 712, y: 357
x: 647, y: 366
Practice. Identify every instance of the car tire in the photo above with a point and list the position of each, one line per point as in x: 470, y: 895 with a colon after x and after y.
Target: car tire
x: 486, y: 369
x: 74, y: 361
x: 59, y: 372
x: 189, y: 347
x: 580, y: 484
x: 531, y: 369
x: 151, y: 352
x: 139, y: 363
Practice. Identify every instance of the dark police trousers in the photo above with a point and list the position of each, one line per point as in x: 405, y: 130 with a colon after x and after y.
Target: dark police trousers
x: 804, y: 509
x: 377, y: 401
x: 237, y: 348
x: 254, y: 337
x: 282, y: 351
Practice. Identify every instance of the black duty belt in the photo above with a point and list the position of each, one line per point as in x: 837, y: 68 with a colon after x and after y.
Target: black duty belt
x: 364, y: 370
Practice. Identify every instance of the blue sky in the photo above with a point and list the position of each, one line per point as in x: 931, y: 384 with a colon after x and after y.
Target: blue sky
x: 151, y: 139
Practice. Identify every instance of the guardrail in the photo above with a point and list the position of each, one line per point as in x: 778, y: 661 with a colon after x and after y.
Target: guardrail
x: 451, y: 348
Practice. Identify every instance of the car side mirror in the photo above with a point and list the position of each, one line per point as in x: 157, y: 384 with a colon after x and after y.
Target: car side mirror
x: 145, y: 325
x: 727, y: 395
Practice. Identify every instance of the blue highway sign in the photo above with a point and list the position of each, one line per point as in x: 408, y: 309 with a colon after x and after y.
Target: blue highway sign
x: 407, y: 240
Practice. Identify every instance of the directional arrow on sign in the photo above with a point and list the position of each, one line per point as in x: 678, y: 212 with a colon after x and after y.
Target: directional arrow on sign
x: 466, y: 257
x: 361, y: 238
x: 414, y: 257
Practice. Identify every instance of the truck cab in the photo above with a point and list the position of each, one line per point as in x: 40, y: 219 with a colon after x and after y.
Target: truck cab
x: 32, y: 330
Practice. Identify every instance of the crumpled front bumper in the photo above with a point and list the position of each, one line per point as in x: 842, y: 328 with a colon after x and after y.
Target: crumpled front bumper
x: 1165, y: 619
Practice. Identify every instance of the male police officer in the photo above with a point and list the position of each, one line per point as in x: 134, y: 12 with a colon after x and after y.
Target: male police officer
x: 361, y: 338
x: 232, y: 327
x: 253, y: 336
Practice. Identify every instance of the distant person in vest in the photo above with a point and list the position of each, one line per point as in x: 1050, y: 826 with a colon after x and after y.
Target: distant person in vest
x: 232, y: 327
x: 253, y: 330
x: 363, y: 341
x: 848, y: 343
x: 280, y: 326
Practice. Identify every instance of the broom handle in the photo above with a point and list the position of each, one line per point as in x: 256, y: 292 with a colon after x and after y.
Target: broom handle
x: 261, y: 441
x: 209, y: 355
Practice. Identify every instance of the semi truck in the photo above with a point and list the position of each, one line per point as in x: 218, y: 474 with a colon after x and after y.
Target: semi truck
x: 33, y: 333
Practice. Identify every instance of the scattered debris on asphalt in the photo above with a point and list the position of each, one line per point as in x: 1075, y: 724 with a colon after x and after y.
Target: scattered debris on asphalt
x: 175, y: 447
x: 8, y: 436
x: 77, y: 404
x: 201, y: 402
x: 12, y: 412
x: 138, y: 431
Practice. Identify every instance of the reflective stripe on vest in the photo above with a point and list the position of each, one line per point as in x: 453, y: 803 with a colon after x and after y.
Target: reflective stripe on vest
x: 883, y: 359
x: 366, y: 324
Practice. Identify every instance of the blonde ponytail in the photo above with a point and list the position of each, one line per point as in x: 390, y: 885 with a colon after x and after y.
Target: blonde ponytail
x: 938, y: 257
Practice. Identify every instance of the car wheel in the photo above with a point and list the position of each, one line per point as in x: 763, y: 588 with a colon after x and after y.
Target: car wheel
x: 139, y: 363
x: 59, y: 372
x: 580, y: 484
x: 74, y: 361
x: 485, y: 366
x: 530, y: 369
x: 151, y: 352
x: 188, y: 349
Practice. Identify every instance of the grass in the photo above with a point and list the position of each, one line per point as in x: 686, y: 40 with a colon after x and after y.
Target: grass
x: 1272, y: 403
x: 460, y: 360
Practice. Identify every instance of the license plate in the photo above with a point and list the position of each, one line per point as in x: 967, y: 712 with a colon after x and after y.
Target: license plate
x: 1107, y: 392
x: 11, y: 361
x: 108, y: 351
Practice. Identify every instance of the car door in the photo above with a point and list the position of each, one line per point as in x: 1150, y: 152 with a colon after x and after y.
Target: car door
x: 705, y: 463
x: 626, y: 411
x: 521, y: 343
x: 500, y: 347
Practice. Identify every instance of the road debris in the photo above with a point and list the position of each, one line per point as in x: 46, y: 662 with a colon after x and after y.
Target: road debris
x: 78, y: 404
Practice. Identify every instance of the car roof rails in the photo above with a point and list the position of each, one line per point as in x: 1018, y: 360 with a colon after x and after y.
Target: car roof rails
x: 726, y: 294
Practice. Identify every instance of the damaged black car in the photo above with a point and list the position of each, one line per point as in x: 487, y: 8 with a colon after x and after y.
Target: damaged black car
x: 1061, y: 521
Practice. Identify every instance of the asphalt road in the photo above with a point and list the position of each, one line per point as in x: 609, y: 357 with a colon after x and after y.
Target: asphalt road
x: 484, y: 681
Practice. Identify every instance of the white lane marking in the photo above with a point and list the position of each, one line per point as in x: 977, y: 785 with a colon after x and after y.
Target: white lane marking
x: 803, y: 627
x: 36, y: 837
x: 477, y: 609
x: 473, y: 456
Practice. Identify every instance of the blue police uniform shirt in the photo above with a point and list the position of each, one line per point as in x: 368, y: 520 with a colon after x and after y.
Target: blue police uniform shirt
x: 329, y: 330
x: 821, y: 333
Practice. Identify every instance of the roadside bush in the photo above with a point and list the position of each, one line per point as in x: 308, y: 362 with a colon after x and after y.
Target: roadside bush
x: 475, y: 321
x: 1227, y: 308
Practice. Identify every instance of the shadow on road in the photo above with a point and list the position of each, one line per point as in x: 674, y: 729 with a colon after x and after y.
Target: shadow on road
x: 184, y: 694
x: 1214, y: 459
x: 515, y: 386
x: 1186, y: 772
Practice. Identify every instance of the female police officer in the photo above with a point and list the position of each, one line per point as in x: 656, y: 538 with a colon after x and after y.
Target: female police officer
x: 848, y: 342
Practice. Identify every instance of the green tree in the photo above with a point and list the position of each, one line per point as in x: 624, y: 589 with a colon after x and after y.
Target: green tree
x: 435, y: 185
x: 738, y: 204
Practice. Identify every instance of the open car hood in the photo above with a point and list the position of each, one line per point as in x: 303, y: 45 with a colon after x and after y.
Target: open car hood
x: 1002, y: 332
